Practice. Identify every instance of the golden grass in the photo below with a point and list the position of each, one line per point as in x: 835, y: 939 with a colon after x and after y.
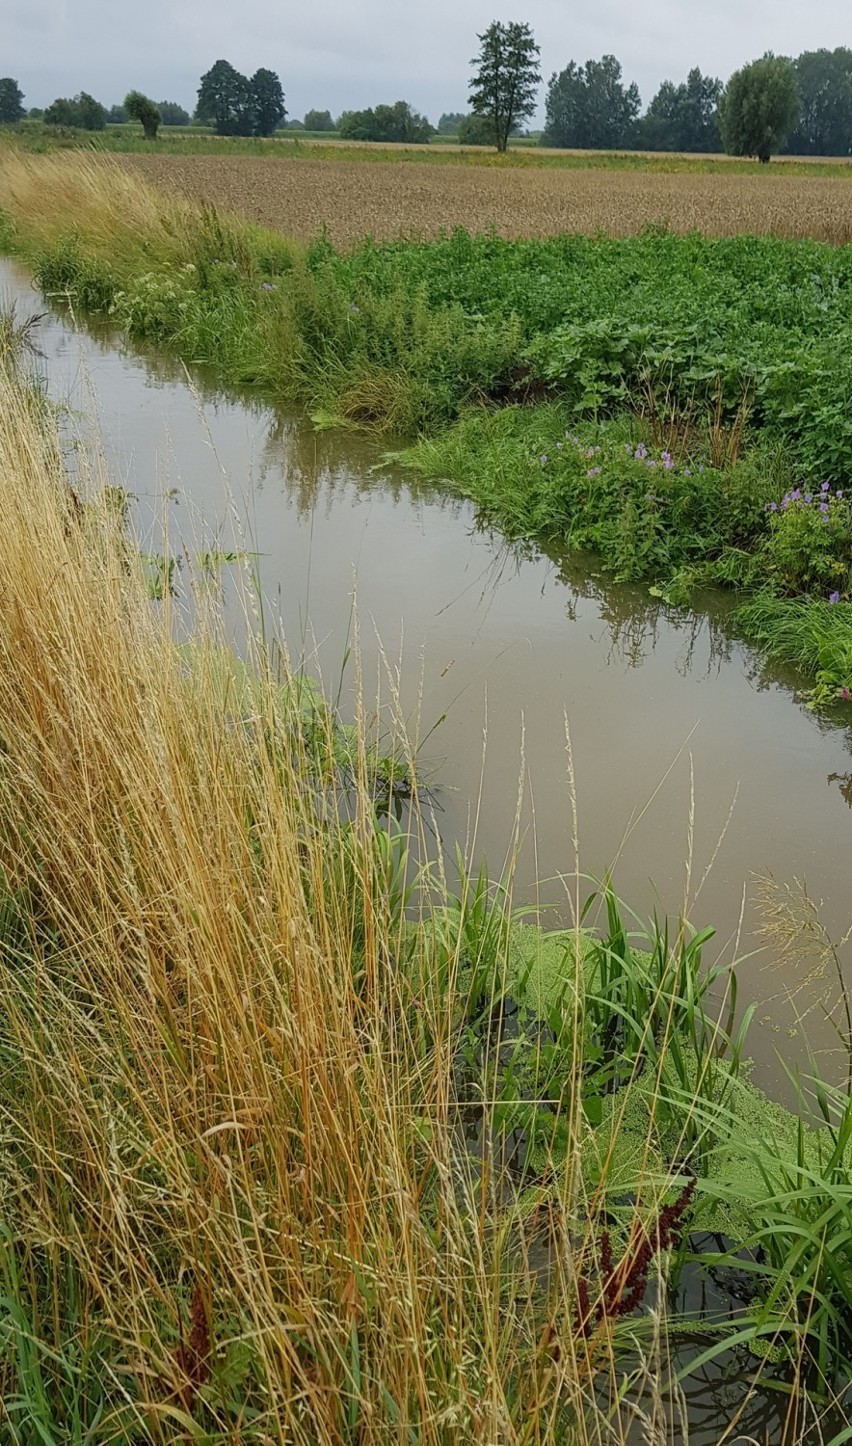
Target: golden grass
x: 298, y: 197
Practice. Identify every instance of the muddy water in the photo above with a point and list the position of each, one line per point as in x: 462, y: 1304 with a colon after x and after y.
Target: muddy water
x: 666, y: 715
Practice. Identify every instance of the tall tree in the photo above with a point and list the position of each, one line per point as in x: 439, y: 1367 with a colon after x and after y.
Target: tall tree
x: 759, y: 107
x: 224, y: 100
x: 824, y: 127
x: 506, y: 78
x: 394, y: 123
x: 267, y: 102
x: 11, y: 101
x: 589, y: 107
x: 140, y: 108
x: 682, y: 117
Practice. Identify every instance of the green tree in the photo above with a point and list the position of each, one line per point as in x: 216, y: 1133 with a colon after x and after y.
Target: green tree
x: 682, y: 117
x: 824, y: 127
x: 450, y: 121
x: 477, y: 130
x: 140, y: 108
x: 117, y: 116
x: 506, y: 78
x: 11, y: 101
x: 589, y: 107
x: 388, y: 123
x: 83, y: 113
x: 172, y: 114
x: 224, y: 100
x: 758, y: 108
x: 318, y: 120
x: 267, y: 102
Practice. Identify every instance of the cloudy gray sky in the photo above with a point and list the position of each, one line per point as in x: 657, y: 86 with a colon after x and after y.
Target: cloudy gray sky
x: 335, y: 54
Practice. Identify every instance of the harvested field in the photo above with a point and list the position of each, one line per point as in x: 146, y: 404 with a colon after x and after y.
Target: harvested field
x: 353, y: 200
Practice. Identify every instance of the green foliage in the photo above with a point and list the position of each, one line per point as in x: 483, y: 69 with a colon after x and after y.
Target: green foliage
x: 172, y: 114
x: 450, y: 121
x: 506, y: 78
x: 237, y: 106
x: 11, y: 101
x: 809, y: 548
x: 813, y: 636
x: 267, y: 102
x: 682, y: 117
x: 824, y: 82
x: 588, y: 107
x: 397, y: 123
x: 318, y: 120
x: 83, y: 113
x: 139, y: 107
x: 759, y: 107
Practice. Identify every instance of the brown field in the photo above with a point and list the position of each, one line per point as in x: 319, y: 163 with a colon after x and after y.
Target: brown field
x: 354, y: 200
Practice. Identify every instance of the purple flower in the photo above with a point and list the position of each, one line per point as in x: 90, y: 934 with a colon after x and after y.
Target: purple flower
x: 835, y: 598
x: 543, y: 459
x: 844, y: 694
x: 823, y: 507
x: 687, y: 471
x: 773, y: 507
x: 267, y: 286
x: 594, y: 472
x: 839, y: 496
x: 641, y: 452
x: 824, y: 487
x: 809, y: 496
x: 797, y: 495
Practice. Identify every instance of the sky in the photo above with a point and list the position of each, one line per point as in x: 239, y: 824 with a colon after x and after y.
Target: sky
x: 346, y: 54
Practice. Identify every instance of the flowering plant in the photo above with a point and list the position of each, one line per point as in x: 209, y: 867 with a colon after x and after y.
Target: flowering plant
x: 810, y: 541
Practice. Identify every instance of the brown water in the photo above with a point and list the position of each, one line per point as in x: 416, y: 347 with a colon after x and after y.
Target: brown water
x: 662, y: 708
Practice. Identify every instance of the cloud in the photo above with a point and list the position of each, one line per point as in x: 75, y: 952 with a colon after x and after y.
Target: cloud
x: 336, y: 54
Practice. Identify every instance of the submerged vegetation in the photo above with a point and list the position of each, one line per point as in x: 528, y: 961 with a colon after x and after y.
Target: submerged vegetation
x: 306, y: 1136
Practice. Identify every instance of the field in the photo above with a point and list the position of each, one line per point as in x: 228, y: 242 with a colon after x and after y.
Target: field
x: 411, y: 198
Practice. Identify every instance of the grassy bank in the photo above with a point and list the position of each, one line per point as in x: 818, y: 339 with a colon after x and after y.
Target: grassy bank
x: 689, y: 396
x: 301, y: 1142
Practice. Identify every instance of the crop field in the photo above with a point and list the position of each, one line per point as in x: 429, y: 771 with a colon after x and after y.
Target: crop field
x: 405, y: 198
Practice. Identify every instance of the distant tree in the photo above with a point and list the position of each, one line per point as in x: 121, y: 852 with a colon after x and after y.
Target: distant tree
x: 83, y: 112
x: 824, y: 127
x: 506, y: 78
x: 682, y: 117
x: 477, y: 130
x: 172, y: 114
x: 35, y: 112
x: 225, y: 100
x: 293, y: 125
x: 388, y: 123
x: 117, y: 115
x: 11, y: 101
x: 318, y: 120
x: 589, y: 107
x: 140, y: 108
x: 450, y: 121
x: 758, y: 108
x: 267, y: 102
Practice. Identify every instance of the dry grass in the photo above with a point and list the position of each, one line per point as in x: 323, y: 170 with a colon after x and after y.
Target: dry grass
x: 353, y: 200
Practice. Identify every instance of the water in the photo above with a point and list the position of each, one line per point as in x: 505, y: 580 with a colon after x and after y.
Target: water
x: 510, y: 652
x: 675, y: 730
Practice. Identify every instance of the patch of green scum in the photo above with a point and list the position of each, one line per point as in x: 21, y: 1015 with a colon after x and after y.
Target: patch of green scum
x: 541, y: 966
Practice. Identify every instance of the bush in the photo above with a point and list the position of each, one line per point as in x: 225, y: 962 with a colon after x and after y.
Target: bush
x: 82, y: 113
x: 810, y: 541
x: 396, y: 123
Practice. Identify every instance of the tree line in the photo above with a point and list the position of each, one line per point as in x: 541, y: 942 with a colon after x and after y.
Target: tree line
x: 801, y: 106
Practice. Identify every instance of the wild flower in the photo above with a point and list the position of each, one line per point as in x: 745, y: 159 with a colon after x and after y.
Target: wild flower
x: 268, y: 286
x: 543, y: 459
x: 835, y: 598
x: 594, y: 472
x: 845, y: 694
x: 641, y: 452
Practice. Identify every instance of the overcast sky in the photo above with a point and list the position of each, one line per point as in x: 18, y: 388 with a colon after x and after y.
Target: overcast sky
x: 338, y: 54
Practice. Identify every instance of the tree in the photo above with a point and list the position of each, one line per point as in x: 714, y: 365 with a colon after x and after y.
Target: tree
x: 318, y: 120
x: 589, y: 108
x: 267, y: 102
x: 387, y: 123
x: 117, y: 115
x: 824, y: 127
x: 450, y: 121
x: 682, y: 117
x: 225, y: 101
x: 172, y: 114
x: 759, y: 107
x: 506, y: 78
x: 140, y: 108
x: 477, y: 130
x: 83, y: 113
x: 11, y: 101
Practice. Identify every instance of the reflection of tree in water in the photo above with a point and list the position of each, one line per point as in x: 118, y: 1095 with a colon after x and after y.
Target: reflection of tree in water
x: 844, y: 783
